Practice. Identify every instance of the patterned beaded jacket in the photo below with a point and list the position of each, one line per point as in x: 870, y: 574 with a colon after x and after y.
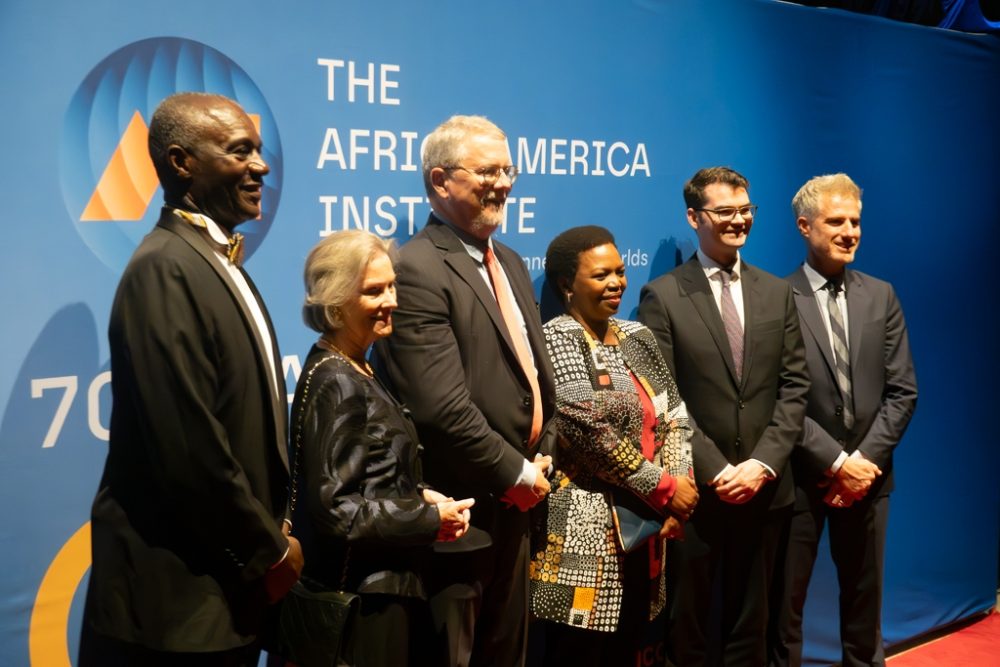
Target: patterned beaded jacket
x: 576, y: 568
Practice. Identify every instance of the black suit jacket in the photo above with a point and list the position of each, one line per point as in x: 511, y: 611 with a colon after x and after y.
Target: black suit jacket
x: 187, y: 517
x: 452, y: 362
x: 759, y: 417
x: 882, y: 380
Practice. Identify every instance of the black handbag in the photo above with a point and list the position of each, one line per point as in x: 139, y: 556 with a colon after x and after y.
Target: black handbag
x: 312, y: 625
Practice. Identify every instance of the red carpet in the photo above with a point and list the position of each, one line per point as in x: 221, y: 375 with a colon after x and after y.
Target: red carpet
x: 977, y: 645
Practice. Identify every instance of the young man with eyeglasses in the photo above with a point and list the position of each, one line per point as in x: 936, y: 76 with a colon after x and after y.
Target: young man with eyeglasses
x: 730, y: 334
x: 468, y: 359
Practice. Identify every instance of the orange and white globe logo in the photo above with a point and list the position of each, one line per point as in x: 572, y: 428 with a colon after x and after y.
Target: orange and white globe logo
x: 108, y: 181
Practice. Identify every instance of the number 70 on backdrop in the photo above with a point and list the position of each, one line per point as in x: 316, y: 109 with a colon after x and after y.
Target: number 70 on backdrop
x: 66, y: 388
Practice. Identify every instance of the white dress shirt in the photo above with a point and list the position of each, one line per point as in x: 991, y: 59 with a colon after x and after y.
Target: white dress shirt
x: 259, y: 321
x: 713, y: 271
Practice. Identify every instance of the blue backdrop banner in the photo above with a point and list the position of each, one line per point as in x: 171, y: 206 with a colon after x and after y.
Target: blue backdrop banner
x: 609, y: 107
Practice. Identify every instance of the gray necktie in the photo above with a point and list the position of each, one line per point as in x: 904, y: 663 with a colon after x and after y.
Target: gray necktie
x: 731, y: 320
x: 840, y: 353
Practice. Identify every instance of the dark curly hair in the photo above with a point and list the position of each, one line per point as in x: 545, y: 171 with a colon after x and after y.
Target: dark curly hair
x: 562, y: 258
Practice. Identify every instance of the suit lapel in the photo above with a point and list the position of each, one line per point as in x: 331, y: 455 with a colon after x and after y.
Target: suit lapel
x: 751, y: 310
x: 695, y: 284
x: 458, y: 259
x: 808, y: 306
x: 857, y: 303
x: 279, y: 403
x: 279, y: 399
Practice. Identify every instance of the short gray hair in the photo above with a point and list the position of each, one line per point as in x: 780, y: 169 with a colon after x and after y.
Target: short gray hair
x: 334, y: 270
x: 445, y: 146
x: 805, y: 203
x: 179, y: 119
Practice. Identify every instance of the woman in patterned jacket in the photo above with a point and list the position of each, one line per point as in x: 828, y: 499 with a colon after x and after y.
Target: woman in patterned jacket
x: 624, y: 434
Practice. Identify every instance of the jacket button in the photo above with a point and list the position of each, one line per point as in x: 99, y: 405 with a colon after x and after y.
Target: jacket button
x: 839, y: 410
x: 738, y: 442
x: 742, y: 405
x: 527, y: 400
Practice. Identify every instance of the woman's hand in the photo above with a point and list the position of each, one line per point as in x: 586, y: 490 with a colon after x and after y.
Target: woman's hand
x: 672, y: 529
x: 455, y: 517
x: 434, y: 497
x: 685, y: 498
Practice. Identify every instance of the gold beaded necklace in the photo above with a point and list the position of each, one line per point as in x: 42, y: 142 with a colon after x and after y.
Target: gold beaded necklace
x: 327, y: 344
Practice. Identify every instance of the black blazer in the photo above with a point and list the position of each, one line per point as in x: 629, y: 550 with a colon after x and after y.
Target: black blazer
x: 187, y: 518
x: 452, y: 362
x: 882, y: 380
x: 759, y: 417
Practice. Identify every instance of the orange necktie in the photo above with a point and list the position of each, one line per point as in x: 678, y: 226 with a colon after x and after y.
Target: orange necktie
x: 501, y: 291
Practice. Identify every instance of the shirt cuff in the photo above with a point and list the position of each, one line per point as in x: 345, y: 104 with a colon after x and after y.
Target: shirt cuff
x: 715, y: 480
x: 527, y: 476
x: 767, y: 468
x: 659, y: 499
x: 835, y: 468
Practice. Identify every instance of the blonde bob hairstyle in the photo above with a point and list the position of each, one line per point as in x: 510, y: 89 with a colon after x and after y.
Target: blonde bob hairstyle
x: 334, y: 271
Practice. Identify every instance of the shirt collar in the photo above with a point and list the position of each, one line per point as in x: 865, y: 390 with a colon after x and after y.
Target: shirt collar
x: 711, y: 267
x: 817, y: 281
x: 475, y: 247
x: 214, y: 230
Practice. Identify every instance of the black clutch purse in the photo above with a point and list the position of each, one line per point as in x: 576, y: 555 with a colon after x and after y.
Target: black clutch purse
x: 312, y: 625
x: 635, y: 521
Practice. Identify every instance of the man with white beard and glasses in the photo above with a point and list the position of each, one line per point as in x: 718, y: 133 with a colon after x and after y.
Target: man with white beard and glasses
x: 469, y: 361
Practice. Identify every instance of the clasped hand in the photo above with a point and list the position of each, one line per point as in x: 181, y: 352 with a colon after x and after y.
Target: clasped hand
x: 685, y: 497
x: 740, y: 483
x: 525, y: 497
x: 681, y: 507
x: 455, y: 514
x: 852, y: 482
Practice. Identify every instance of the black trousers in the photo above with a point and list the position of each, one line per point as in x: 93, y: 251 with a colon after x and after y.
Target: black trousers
x: 857, y: 545
x: 390, y: 632
x: 718, y: 581
x: 479, y: 599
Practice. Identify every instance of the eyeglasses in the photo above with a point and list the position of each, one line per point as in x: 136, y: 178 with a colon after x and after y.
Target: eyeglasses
x: 728, y: 213
x: 488, y: 176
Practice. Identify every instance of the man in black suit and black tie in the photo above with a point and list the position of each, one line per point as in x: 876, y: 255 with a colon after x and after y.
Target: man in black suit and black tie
x: 863, y: 393
x: 468, y: 358
x: 731, y: 337
x: 190, y: 541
